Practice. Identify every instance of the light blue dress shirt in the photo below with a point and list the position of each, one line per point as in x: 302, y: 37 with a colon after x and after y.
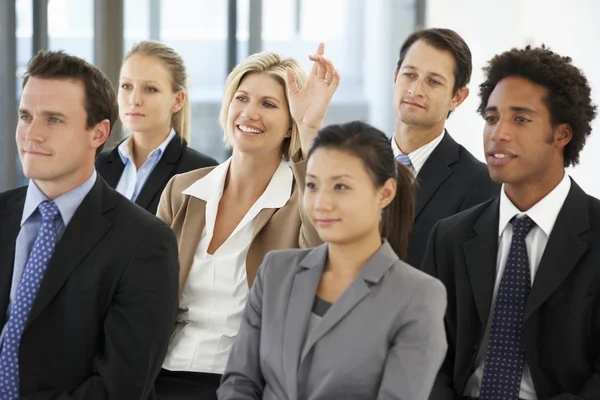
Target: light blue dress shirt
x: 132, y: 181
x: 31, y: 221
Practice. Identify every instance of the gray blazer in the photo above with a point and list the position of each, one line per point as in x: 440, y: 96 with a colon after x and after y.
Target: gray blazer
x: 383, y: 339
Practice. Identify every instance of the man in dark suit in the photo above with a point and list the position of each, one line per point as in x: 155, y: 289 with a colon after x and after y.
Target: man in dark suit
x: 522, y: 270
x: 176, y: 159
x: 88, y: 280
x: 430, y: 81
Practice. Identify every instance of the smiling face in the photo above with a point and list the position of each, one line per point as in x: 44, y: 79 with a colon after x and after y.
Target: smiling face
x: 341, y: 199
x: 258, y: 119
x: 424, y: 85
x: 146, y: 98
x: 521, y: 146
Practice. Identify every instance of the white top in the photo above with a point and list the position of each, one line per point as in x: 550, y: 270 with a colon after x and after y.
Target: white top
x: 215, y: 294
x: 544, y: 214
x: 420, y: 155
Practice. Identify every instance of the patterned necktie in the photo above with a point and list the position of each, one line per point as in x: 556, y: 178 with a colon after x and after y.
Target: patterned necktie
x: 505, y: 356
x: 40, y: 255
x: 404, y: 159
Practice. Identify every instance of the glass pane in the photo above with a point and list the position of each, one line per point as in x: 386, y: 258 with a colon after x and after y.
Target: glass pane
x: 71, y: 27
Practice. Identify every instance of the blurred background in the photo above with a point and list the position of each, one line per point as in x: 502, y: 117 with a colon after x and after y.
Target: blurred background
x: 362, y: 37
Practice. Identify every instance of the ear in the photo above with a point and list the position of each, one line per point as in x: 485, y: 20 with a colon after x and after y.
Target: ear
x: 460, y: 96
x: 395, y: 74
x: 562, y: 135
x: 100, y: 133
x: 179, y: 100
x: 388, y: 192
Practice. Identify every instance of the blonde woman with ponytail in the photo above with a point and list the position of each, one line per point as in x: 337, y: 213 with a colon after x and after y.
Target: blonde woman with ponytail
x: 154, y: 107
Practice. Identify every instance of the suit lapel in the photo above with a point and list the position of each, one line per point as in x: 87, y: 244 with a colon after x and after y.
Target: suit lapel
x: 481, y: 257
x: 371, y: 273
x: 194, y: 222
x: 162, y: 172
x: 564, y: 249
x: 111, y: 168
x: 298, y: 314
x: 435, y: 171
x: 86, y: 228
x: 10, y: 225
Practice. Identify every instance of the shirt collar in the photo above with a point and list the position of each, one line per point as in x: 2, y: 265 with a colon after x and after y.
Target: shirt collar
x: 419, y: 156
x: 67, y: 203
x: 276, y: 195
x: 543, y: 213
x: 124, y: 148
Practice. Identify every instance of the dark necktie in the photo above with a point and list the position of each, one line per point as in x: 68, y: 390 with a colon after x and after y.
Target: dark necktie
x: 505, y: 356
x: 40, y: 255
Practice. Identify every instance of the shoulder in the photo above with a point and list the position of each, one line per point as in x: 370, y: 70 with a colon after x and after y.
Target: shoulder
x: 278, y: 264
x: 193, y: 159
x: 464, y: 220
x: 107, y: 155
x: 12, y: 197
x: 129, y: 214
x: 180, y: 182
x: 406, y: 276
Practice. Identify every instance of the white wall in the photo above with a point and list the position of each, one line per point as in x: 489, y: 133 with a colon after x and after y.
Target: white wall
x: 570, y: 28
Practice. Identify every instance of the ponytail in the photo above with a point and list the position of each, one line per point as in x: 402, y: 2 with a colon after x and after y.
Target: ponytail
x: 397, y: 217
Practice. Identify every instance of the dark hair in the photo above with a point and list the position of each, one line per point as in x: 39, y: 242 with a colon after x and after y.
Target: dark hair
x: 100, y: 97
x: 568, y: 93
x: 373, y: 147
x: 446, y: 40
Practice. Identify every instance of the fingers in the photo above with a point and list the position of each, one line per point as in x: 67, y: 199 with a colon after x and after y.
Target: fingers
x: 292, y: 83
x: 326, y: 70
x: 316, y: 69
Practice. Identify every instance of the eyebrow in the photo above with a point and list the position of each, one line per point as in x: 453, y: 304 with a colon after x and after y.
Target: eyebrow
x: 124, y: 78
x: 46, y: 113
x: 428, y: 72
x: 333, y: 177
x: 513, y: 108
x: 264, y: 97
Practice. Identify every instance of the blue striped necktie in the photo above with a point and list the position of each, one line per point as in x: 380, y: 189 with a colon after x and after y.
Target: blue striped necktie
x: 404, y: 159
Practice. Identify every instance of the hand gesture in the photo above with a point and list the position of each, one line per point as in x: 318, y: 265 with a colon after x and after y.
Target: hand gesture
x: 308, y: 106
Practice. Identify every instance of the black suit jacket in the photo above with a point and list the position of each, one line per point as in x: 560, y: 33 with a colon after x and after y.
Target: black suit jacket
x: 561, y: 329
x: 177, y: 159
x: 101, y: 321
x: 450, y: 181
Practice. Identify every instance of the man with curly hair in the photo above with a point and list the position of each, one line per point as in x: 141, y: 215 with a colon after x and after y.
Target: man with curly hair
x: 522, y: 270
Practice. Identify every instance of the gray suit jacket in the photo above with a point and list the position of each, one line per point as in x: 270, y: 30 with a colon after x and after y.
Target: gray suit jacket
x: 383, y: 339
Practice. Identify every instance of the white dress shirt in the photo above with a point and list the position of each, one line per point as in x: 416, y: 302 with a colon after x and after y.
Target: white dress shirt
x: 132, y: 180
x: 420, y: 155
x: 544, y: 214
x: 214, y: 296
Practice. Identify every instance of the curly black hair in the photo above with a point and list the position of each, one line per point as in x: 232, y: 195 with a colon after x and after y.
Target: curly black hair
x: 568, y: 98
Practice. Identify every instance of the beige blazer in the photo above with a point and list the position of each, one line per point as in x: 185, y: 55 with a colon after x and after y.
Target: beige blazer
x: 287, y: 227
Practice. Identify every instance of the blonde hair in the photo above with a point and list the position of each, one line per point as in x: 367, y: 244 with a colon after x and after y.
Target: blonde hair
x: 181, y: 120
x: 273, y: 64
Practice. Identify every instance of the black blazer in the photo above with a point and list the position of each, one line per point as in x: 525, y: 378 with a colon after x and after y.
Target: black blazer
x: 177, y: 159
x: 562, y: 319
x: 101, y: 321
x: 451, y: 180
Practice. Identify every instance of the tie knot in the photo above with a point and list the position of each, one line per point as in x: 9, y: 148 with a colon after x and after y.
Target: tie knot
x: 522, y: 225
x: 49, y: 210
x: 403, y: 159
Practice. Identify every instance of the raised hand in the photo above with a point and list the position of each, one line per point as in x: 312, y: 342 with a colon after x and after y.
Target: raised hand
x: 308, y: 105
